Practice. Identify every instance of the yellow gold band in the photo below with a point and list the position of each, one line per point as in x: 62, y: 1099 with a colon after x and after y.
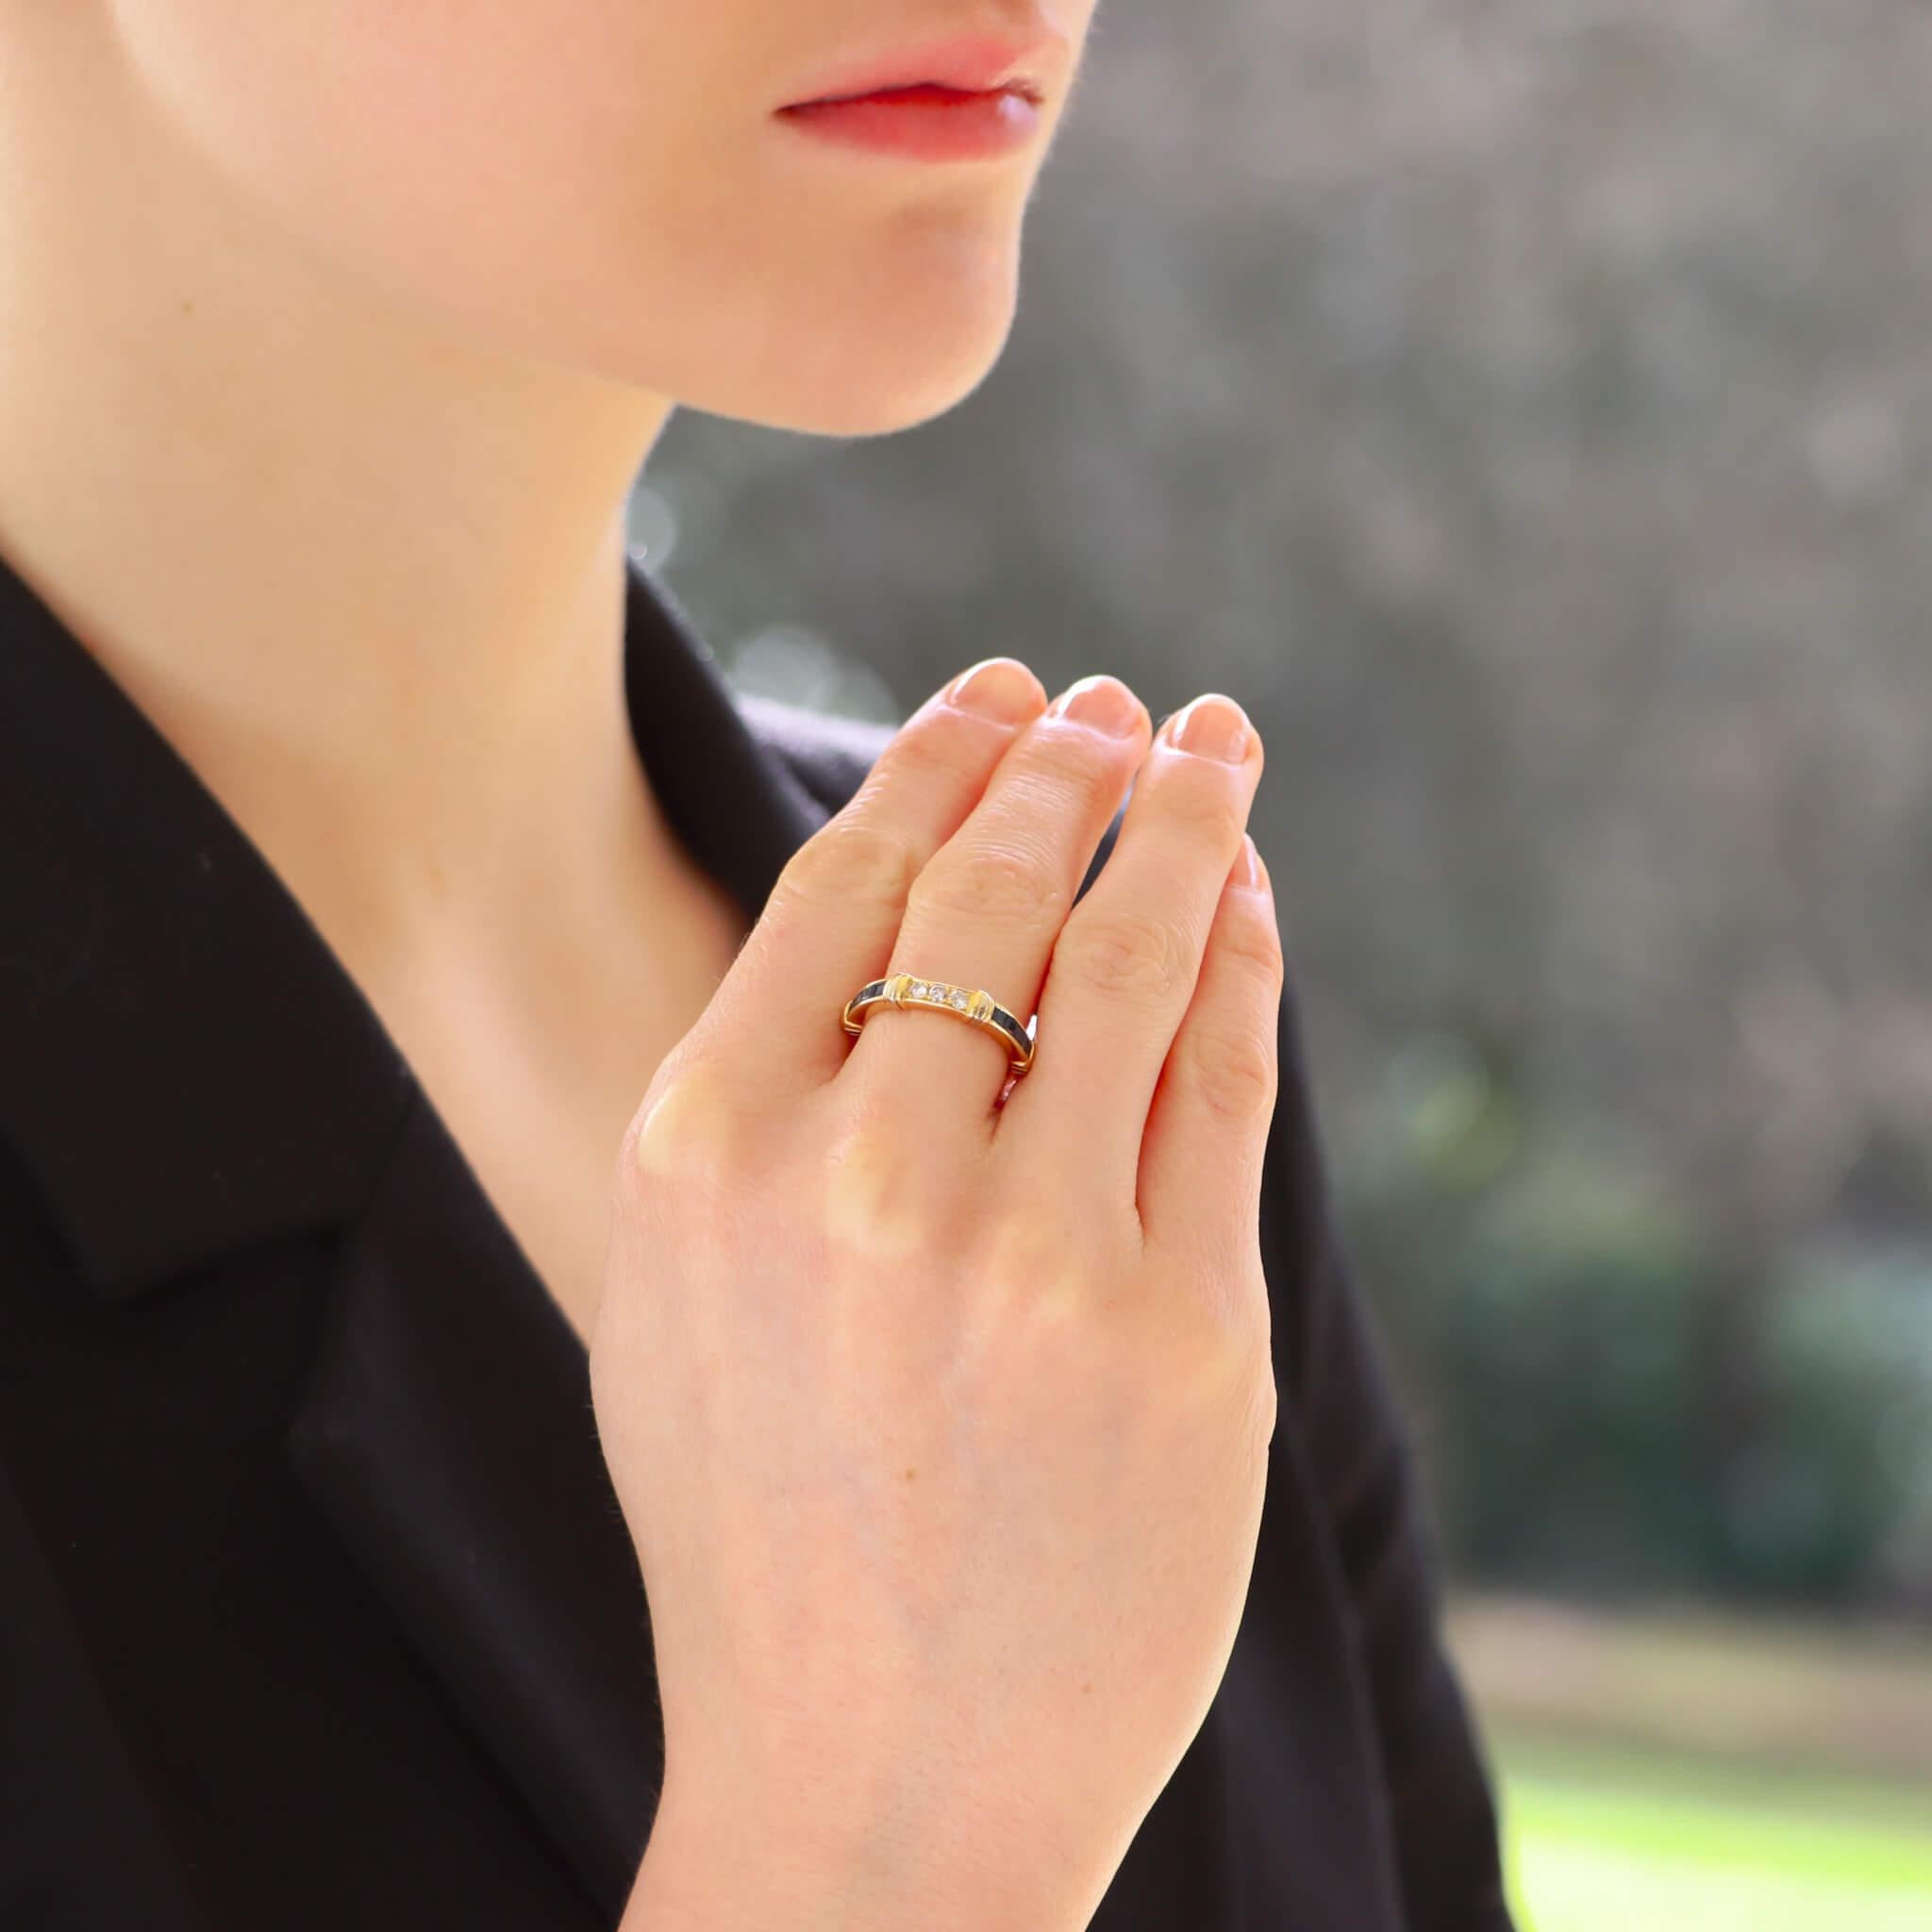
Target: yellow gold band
x: 971, y: 1004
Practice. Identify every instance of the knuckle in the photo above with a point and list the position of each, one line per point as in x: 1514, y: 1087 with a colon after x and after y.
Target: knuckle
x: 691, y: 1124
x: 1243, y: 1328
x: 1210, y: 1325
x: 949, y: 741
x: 1252, y: 940
x: 689, y: 1130
x: 1009, y: 884
x: 856, y: 857
x: 1030, y: 1245
x: 1132, y: 952
x: 878, y: 1205
x: 1203, y: 802
x: 1267, y: 1399
x: 1210, y: 1352
x: 1251, y: 1326
x: 1052, y: 770
x: 1254, y: 1394
x: 1232, y: 1071
x: 1061, y: 1302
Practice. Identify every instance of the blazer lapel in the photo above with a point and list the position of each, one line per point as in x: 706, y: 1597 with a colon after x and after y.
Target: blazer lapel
x: 186, y: 1069
x: 447, y: 1435
x: 447, y: 1432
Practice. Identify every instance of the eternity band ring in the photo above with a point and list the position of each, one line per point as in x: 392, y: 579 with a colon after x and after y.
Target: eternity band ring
x: 911, y: 994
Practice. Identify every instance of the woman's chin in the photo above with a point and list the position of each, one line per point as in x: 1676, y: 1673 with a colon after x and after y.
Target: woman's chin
x: 870, y: 407
x: 870, y: 355
x: 890, y: 394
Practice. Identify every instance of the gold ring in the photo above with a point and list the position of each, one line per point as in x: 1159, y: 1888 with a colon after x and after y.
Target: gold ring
x: 968, y: 1003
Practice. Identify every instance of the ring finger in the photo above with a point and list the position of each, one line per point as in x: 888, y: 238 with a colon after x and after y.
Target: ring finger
x: 985, y: 909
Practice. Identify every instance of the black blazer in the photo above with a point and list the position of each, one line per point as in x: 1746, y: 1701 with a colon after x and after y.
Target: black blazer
x: 319, y: 1610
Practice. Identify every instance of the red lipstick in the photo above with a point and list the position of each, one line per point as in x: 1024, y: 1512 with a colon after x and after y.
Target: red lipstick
x: 969, y: 97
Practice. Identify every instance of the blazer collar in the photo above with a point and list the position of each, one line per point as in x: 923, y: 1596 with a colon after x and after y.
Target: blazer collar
x: 184, y: 1065
x: 187, y: 1068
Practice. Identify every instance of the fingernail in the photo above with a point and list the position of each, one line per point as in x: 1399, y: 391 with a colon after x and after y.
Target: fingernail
x: 998, y: 688
x: 1251, y: 872
x: 1211, y: 728
x: 1102, y: 702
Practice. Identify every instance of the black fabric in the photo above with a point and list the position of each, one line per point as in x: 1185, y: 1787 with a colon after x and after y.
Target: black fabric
x: 316, y: 1606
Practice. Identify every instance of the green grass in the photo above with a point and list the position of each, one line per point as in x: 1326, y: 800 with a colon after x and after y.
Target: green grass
x: 1610, y: 1838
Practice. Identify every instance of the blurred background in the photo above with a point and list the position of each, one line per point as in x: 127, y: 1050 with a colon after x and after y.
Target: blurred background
x: 1525, y: 408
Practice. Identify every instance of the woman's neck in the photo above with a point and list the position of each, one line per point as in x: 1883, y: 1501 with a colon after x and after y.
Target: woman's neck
x: 364, y: 573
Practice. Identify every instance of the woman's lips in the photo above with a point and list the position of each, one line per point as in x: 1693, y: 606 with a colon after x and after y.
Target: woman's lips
x: 928, y: 122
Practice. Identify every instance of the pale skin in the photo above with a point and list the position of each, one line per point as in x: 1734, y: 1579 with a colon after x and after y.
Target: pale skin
x: 947, y: 1490
x: 333, y: 338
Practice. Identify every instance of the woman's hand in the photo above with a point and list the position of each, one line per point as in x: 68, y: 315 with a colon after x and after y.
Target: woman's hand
x: 941, y: 1426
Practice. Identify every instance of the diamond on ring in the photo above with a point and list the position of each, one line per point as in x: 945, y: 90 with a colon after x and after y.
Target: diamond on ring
x: 972, y: 1003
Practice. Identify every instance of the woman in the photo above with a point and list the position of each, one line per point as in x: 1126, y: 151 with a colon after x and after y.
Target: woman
x: 863, y: 1500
